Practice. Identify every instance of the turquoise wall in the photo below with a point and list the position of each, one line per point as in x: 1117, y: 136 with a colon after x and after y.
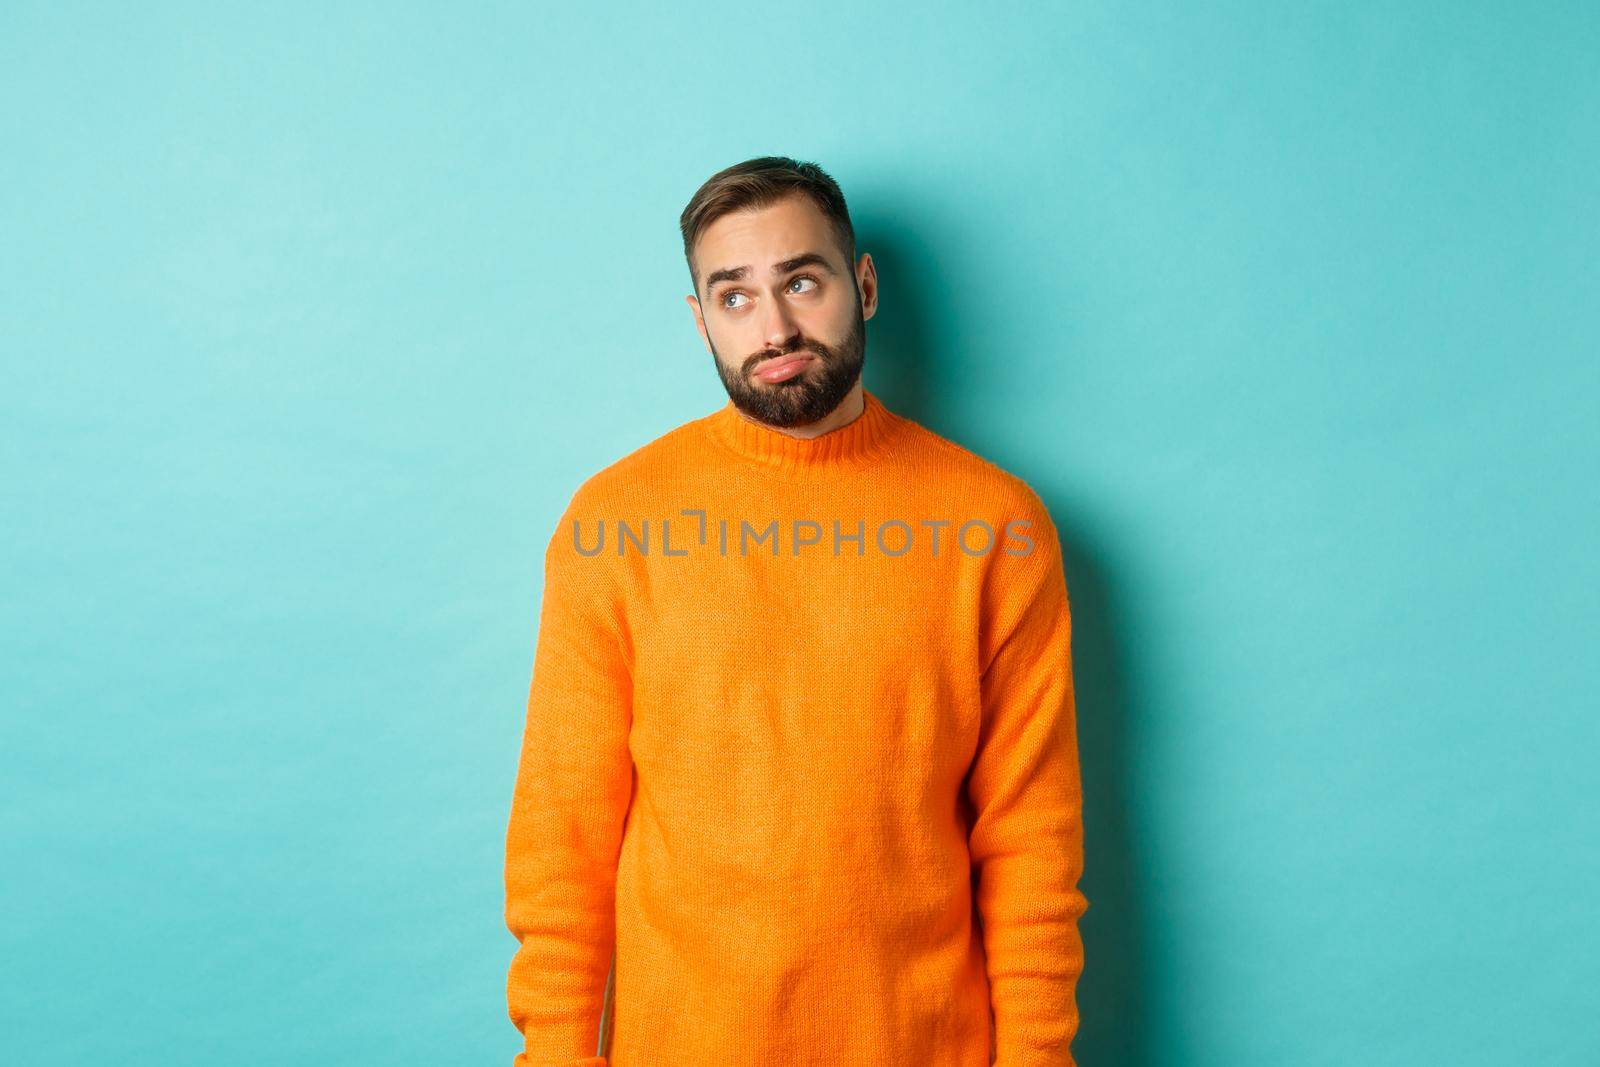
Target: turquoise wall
x: 313, y: 317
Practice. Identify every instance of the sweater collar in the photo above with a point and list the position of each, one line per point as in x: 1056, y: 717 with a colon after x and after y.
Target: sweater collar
x: 855, y: 442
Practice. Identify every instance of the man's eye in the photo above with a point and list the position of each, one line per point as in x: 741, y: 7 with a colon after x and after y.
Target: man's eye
x: 802, y: 280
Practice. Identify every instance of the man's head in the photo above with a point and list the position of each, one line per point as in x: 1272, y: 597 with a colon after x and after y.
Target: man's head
x: 771, y: 255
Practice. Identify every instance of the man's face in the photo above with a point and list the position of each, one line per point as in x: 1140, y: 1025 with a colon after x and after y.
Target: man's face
x: 782, y: 310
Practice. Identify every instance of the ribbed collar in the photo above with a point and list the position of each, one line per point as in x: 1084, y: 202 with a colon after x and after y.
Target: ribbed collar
x: 855, y: 442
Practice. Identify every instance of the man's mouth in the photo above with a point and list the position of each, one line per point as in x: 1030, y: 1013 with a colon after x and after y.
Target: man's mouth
x: 782, y: 368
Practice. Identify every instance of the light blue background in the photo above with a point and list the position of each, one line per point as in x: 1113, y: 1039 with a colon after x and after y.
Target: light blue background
x: 312, y: 319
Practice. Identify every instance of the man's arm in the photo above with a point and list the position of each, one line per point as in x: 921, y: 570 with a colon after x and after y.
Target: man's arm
x: 573, y: 787
x: 1026, y: 842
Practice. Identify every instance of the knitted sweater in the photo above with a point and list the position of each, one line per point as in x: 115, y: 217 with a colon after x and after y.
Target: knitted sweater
x: 800, y: 761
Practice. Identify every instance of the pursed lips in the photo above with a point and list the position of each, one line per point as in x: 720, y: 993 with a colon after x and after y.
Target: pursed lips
x: 779, y: 368
x: 773, y: 361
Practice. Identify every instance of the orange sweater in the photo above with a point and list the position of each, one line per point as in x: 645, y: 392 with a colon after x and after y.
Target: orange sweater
x: 801, y: 751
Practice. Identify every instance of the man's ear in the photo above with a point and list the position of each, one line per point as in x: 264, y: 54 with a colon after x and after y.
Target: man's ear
x: 699, y: 320
x: 867, y: 283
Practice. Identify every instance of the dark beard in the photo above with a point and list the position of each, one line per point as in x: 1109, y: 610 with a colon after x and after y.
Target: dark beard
x: 809, y: 396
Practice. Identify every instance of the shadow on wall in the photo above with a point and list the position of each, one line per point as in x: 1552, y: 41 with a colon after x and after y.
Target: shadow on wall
x: 915, y: 374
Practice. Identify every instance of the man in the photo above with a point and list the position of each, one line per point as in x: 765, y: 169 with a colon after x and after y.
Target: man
x: 799, y: 783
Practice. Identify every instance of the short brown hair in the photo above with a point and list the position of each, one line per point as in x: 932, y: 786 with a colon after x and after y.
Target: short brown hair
x: 757, y: 183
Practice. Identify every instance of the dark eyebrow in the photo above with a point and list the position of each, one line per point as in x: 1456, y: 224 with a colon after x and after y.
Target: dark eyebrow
x: 804, y: 259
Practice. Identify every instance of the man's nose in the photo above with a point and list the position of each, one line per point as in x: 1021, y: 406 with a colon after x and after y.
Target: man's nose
x: 779, y: 324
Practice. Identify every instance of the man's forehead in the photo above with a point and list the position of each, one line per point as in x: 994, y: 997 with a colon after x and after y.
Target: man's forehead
x: 794, y: 221
x: 769, y: 238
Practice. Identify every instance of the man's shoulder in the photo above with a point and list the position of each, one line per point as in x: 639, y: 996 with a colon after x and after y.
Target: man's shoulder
x: 642, y: 473
x: 978, y: 479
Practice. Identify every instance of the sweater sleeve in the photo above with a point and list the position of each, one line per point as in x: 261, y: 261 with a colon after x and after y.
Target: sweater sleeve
x: 1026, y: 839
x: 573, y: 787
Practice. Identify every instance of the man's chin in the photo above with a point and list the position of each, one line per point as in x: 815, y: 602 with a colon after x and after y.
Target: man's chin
x: 778, y: 387
x: 773, y: 406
